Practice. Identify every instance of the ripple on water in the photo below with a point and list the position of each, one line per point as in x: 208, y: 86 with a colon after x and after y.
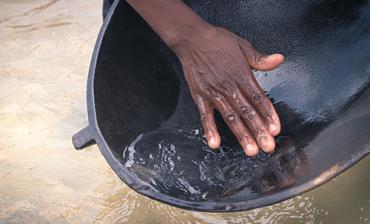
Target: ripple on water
x: 180, y: 164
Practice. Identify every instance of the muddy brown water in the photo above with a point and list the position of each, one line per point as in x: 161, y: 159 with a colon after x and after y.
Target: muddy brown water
x: 45, y: 50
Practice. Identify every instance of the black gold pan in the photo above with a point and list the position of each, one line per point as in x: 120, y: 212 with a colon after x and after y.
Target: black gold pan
x: 147, y: 127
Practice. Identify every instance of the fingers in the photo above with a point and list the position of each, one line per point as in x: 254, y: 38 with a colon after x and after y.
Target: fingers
x: 252, y: 90
x: 235, y: 123
x: 258, y: 60
x: 259, y: 100
x: 267, y: 62
x: 252, y: 119
x: 208, y: 122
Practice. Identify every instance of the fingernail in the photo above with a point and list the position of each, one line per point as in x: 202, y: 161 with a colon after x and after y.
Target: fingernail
x: 211, y: 141
x: 272, y: 127
x: 265, y: 142
x: 250, y: 148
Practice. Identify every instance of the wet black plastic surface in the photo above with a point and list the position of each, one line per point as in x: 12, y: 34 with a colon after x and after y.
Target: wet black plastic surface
x: 151, y: 125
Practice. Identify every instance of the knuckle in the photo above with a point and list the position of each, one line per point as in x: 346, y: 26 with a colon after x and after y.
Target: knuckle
x: 203, y: 117
x: 231, y: 117
x: 257, y: 98
x: 256, y: 57
x: 248, y: 112
x: 269, y: 118
x: 259, y: 132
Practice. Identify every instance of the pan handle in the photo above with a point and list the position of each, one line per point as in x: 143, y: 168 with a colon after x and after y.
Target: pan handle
x: 83, y: 138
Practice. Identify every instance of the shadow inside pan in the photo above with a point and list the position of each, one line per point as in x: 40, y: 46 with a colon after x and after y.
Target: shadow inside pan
x: 149, y: 121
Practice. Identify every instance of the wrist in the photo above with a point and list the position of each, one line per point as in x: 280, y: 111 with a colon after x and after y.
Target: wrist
x: 189, y: 34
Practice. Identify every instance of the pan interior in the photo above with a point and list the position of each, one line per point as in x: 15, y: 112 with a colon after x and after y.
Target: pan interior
x: 149, y: 121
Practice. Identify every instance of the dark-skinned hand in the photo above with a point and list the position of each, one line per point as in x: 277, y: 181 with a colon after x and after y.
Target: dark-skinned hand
x: 218, y: 68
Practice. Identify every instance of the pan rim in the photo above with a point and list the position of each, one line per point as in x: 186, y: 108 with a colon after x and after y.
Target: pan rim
x: 205, y: 206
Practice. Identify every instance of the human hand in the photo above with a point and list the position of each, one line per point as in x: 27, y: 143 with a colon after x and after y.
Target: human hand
x: 217, y: 66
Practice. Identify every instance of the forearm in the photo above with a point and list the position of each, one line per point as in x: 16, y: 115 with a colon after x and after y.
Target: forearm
x: 172, y: 20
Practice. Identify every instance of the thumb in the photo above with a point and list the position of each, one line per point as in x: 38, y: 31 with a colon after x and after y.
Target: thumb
x: 260, y: 61
x: 267, y: 62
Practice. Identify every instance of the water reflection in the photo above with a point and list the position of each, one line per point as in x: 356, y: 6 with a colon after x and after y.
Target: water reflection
x: 283, y: 171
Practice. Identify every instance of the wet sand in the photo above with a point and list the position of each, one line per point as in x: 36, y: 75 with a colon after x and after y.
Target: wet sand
x: 45, y: 50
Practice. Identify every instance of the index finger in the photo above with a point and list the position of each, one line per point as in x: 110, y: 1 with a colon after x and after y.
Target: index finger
x: 208, y: 122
